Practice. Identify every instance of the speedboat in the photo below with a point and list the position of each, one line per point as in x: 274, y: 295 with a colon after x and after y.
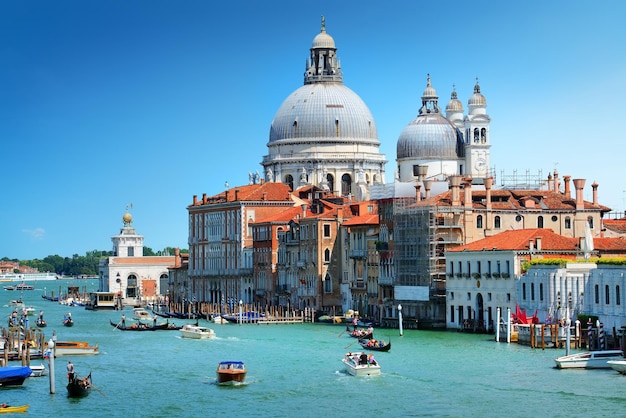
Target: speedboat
x: 361, y: 364
x: 589, y: 360
x: 217, y: 319
x: 196, y: 331
x: 231, y: 372
x: 618, y: 365
x: 141, y: 314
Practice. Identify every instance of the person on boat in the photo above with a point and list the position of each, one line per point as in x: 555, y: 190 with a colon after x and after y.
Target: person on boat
x: 154, y: 319
x: 370, y: 329
x: 41, y: 316
x: 70, y: 371
x: 123, y: 320
x: 355, y: 322
x: 4, y: 405
x: 371, y: 360
x: 363, y: 359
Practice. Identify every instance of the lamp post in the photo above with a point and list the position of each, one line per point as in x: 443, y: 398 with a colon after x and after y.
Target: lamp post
x: 119, y: 281
x: 400, y: 318
x: 240, y: 312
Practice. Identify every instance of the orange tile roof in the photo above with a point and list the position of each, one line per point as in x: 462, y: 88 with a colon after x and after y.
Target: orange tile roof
x: 369, y: 219
x: 615, y: 225
x: 609, y: 244
x: 251, y: 192
x: 518, y: 240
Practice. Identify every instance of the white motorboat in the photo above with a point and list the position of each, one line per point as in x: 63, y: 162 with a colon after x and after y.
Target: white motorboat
x: 38, y: 370
x: 618, y: 365
x: 141, y: 314
x: 589, y: 360
x: 361, y: 364
x: 217, y: 319
x: 73, y: 348
x: 196, y: 331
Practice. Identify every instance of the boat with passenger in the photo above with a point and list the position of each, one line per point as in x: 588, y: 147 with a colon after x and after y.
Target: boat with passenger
x: 140, y: 314
x: 8, y: 409
x: 360, y: 363
x: 78, y: 387
x: 589, y: 360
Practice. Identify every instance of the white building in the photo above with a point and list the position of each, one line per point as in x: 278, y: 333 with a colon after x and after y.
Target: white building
x: 128, y: 273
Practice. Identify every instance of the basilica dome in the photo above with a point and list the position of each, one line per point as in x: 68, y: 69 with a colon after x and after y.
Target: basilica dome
x: 429, y: 136
x: 326, y: 112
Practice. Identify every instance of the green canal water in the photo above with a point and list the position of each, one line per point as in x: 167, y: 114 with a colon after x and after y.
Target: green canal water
x: 296, y: 371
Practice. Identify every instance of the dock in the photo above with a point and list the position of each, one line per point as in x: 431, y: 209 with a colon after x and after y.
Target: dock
x: 281, y: 320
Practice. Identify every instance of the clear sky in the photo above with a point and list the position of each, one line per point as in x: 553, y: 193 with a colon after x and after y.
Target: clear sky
x: 104, y: 103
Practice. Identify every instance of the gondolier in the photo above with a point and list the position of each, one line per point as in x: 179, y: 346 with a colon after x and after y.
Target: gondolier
x: 70, y: 371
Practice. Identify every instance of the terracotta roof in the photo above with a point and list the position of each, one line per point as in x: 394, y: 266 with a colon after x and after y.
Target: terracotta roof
x: 615, y: 225
x: 518, y: 240
x: 609, y: 244
x: 252, y: 192
x: 285, y: 216
x: 369, y: 219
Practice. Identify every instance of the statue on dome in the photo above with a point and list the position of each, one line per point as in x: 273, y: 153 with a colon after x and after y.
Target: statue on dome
x: 269, y: 175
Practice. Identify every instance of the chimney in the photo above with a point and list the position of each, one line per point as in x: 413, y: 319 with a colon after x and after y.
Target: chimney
x: 204, y: 198
x: 427, y: 185
x: 195, y: 200
x: 531, y: 245
x: 177, y: 262
x: 488, y: 185
x: 538, y: 243
x: 566, y: 181
x: 557, y: 184
x: 579, y: 185
x: 236, y: 194
x: 303, y: 206
x: 455, y: 183
x: 594, y: 186
x: 468, y: 192
x: 418, y: 195
x: 550, y: 182
x: 264, y: 196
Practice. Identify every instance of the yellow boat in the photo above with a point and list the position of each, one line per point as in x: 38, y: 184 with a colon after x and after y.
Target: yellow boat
x: 11, y: 409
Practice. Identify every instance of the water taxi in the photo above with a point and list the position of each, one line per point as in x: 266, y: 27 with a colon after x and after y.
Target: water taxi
x: 589, y: 360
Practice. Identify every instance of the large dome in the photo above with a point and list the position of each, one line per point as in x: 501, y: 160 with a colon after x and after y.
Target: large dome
x: 429, y: 136
x: 324, y: 112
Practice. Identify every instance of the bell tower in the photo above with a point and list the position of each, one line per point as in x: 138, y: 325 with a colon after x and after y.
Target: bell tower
x: 477, y: 136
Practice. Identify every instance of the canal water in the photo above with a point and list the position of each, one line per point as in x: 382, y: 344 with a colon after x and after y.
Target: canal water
x: 296, y: 371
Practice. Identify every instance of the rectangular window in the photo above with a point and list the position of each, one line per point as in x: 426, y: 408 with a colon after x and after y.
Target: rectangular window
x: 326, y: 231
x: 451, y: 313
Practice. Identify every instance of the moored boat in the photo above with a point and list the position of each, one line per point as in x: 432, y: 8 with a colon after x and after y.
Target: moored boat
x: 141, y: 314
x: 38, y: 370
x: 361, y: 364
x: 231, y: 372
x: 72, y: 348
x: 14, y: 375
x: 618, y: 365
x: 8, y: 409
x: 197, y: 332
x: 589, y: 360
x: 78, y: 387
x: 218, y: 319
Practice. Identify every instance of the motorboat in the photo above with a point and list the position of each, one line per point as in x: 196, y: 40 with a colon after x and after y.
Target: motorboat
x: 218, y: 319
x: 73, y: 348
x: 231, y: 373
x: 589, y: 359
x: 361, y: 364
x: 38, y: 370
x: 140, y: 314
x: 196, y: 331
x: 79, y: 387
x: 618, y: 365
x: 14, y: 375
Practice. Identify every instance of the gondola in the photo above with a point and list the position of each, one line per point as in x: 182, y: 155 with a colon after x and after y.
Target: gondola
x: 139, y: 326
x: 41, y: 323
x: 68, y: 322
x: 375, y: 345
x: 78, y: 388
x: 361, y: 334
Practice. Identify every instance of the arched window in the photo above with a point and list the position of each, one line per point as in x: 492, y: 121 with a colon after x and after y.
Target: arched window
x: 289, y: 181
x: 607, y: 298
x: 476, y: 135
x: 346, y: 184
x: 331, y: 182
x: 617, y: 296
x: 483, y: 135
x: 540, y: 222
x: 327, y: 255
x: 596, y: 291
x: 497, y: 223
x: 328, y: 284
x: 479, y: 221
x: 568, y: 222
x: 590, y: 221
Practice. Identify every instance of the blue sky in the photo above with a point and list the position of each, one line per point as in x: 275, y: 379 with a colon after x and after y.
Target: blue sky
x: 104, y: 103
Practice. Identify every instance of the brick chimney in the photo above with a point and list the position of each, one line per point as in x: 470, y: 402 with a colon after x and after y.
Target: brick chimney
x: 567, y: 190
x: 579, y: 185
x: 488, y: 185
x: 594, y: 186
x: 418, y: 194
x: 455, y: 183
x: 468, y: 192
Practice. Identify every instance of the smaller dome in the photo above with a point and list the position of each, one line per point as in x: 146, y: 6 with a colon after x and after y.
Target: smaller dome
x: 477, y: 99
x: 323, y: 40
x: 429, y: 91
x: 454, y: 105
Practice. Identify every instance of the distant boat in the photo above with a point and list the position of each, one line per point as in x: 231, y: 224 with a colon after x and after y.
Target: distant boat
x: 20, y: 277
x: 360, y: 364
x: 141, y: 314
x: 197, y: 332
x: 21, y: 286
x: 11, y: 409
x: 618, y: 365
x: 72, y: 348
x: 38, y: 371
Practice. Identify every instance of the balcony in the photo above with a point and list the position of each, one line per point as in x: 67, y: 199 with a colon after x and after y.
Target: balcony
x: 358, y: 253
